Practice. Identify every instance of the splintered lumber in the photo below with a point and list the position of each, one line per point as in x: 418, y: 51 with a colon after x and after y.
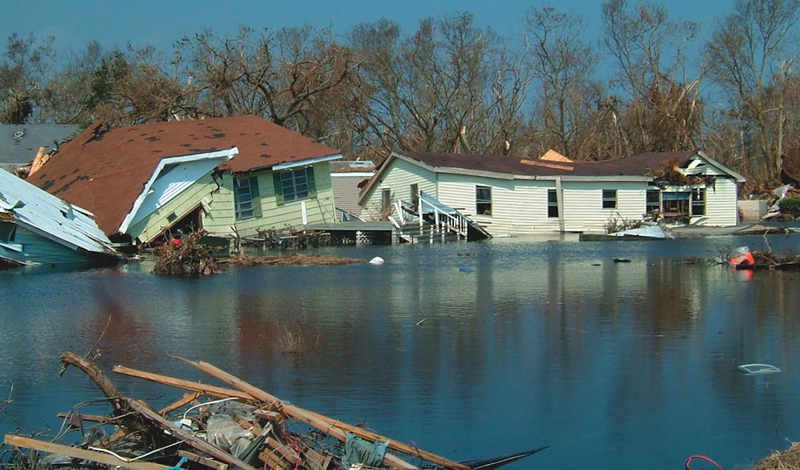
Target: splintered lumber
x: 328, y: 425
x: 191, y: 456
x: 189, y: 438
x: 106, y: 386
x: 210, y: 390
x: 188, y: 398
x: 77, y: 453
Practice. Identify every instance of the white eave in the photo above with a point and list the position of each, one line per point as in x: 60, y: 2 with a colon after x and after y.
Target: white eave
x: 305, y: 163
x: 221, y: 155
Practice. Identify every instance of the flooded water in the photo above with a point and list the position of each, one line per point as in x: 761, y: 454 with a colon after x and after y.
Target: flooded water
x: 467, y: 350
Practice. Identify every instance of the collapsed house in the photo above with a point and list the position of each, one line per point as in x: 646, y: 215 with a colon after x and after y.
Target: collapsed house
x: 229, y: 177
x: 37, y: 228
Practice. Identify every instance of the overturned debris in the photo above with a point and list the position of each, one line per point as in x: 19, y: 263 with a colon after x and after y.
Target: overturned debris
x: 218, y: 428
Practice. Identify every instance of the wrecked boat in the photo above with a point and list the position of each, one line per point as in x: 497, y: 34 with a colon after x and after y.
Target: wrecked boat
x: 219, y: 428
x: 37, y: 228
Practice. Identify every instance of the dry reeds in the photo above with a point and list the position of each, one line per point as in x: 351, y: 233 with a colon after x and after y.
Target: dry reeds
x: 786, y: 460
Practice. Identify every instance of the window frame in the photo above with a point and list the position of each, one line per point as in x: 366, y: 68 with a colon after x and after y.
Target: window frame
x: 242, y: 199
x: 698, y: 202
x: 609, y: 197
x: 552, y: 203
x: 289, y: 185
x: 651, y: 204
x: 483, y: 204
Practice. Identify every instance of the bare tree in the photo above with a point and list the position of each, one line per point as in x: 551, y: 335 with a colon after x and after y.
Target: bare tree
x: 279, y: 75
x: 448, y: 87
x: 751, y: 54
x: 563, y: 65
x: 24, y: 75
x: 662, y: 112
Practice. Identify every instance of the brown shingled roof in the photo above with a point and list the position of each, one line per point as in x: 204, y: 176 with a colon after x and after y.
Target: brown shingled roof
x: 638, y: 165
x: 103, y: 170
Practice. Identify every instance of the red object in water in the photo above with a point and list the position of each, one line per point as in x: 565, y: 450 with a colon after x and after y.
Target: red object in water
x: 701, y: 457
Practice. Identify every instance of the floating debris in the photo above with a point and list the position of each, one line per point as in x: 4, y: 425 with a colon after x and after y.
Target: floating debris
x: 218, y: 428
x: 758, y: 369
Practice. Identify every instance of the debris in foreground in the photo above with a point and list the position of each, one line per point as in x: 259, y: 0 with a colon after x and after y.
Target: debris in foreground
x: 218, y: 428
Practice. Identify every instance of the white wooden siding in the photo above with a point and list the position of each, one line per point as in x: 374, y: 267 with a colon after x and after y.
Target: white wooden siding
x: 398, y: 179
x: 721, y: 208
x: 583, y: 204
x: 520, y: 206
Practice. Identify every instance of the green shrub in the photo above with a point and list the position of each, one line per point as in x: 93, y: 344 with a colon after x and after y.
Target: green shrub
x: 790, y: 206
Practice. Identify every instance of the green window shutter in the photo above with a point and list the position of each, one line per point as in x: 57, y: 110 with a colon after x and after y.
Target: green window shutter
x: 276, y: 180
x: 256, y: 196
x: 312, y: 187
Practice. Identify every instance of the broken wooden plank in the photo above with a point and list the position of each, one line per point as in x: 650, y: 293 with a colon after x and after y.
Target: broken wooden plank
x: 77, y: 453
x: 187, y: 398
x: 190, y: 439
x: 211, y: 390
x: 208, y: 462
x: 328, y: 425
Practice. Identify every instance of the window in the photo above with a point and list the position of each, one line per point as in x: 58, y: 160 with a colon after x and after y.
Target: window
x: 653, y: 202
x: 698, y: 201
x: 609, y: 199
x: 294, y: 185
x: 245, y: 190
x: 483, y: 200
x: 676, y: 203
x: 552, y: 203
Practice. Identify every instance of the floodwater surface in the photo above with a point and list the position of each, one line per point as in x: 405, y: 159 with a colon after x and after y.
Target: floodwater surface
x: 467, y: 350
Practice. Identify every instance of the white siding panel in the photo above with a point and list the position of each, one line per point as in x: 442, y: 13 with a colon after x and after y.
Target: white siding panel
x: 518, y: 206
x: 398, y: 179
x: 583, y: 205
x: 721, y: 208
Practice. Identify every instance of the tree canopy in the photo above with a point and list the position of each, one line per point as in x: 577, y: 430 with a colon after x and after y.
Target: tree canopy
x: 649, y: 83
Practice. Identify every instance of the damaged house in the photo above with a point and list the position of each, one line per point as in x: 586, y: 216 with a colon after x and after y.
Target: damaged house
x: 230, y: 177
x: 37, y: 228
x: 509, y: 196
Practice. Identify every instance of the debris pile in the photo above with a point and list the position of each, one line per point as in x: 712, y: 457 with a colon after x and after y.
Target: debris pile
x: 218, y: 428
x: 185, y: 256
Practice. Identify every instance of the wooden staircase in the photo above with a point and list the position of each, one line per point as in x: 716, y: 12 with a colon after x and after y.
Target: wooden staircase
x: 430, y: 221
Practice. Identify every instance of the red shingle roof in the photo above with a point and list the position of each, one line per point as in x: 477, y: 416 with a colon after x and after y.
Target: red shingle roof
x: 103, y: 170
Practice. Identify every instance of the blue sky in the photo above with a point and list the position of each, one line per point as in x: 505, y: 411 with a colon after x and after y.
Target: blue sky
x: 162, y: 22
